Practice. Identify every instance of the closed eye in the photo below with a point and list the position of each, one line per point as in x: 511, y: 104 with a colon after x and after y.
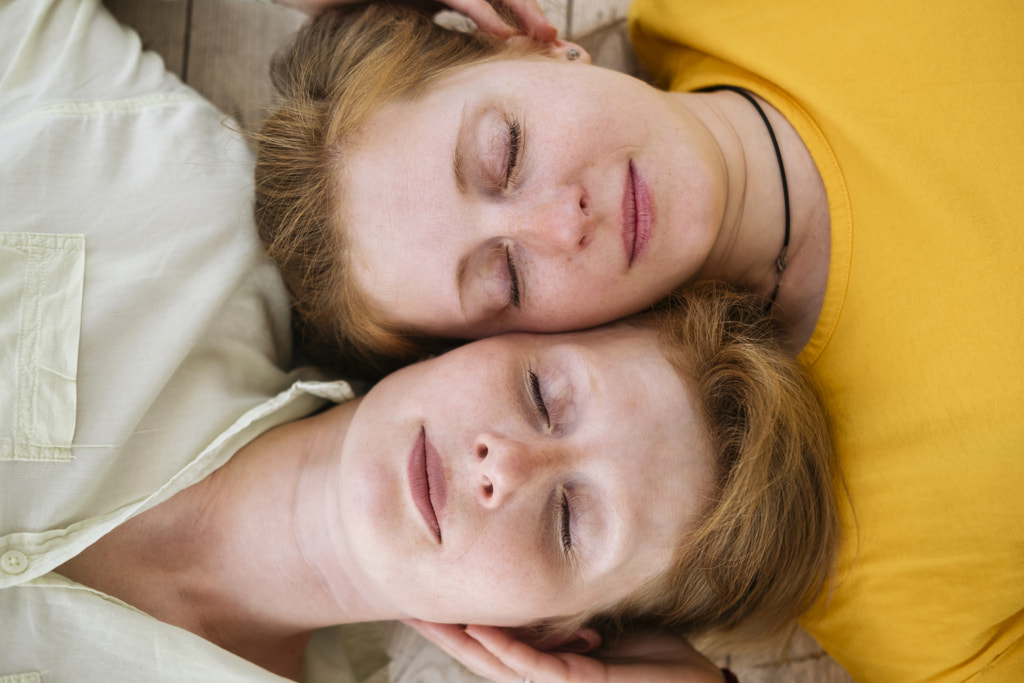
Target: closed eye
x: 566, y: 523
x: 514, y: 149
x: 513, y: 278
x: 538, y: 398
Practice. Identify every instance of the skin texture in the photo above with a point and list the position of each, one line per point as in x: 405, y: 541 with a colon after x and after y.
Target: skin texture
x: 631, y: 485
x: 545, y: 149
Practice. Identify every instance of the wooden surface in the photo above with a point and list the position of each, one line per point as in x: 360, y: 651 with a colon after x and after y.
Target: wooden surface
x: 223, y: 48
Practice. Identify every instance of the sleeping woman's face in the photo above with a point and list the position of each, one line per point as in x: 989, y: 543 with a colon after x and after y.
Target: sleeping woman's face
x: 523, y: 477
x: 529, y: 195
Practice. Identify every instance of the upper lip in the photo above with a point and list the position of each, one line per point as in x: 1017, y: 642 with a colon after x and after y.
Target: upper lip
x: 427, y: 482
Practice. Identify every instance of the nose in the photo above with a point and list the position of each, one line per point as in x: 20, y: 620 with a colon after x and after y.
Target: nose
x: 560, y: 219
x: 505, y: 467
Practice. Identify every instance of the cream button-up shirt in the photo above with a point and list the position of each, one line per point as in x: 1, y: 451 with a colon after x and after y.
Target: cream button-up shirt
x: 143, y: 334
x: 142, y: 340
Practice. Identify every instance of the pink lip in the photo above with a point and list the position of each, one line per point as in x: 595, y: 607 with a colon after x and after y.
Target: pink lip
x: 427, y: 482
x: 637, y: 213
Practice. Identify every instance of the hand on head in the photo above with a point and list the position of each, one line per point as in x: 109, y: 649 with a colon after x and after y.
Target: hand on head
x: 525, y: 16
x: 494, y: 654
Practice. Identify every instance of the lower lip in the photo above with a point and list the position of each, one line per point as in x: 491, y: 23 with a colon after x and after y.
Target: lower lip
x: 421, y: 470
x: 644, y: 213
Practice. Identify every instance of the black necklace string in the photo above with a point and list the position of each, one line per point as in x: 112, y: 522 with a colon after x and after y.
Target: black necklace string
x: 780, y: 262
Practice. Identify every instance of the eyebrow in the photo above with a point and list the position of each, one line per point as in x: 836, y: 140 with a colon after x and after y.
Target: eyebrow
x: 462, y: 144
x: 460, y: 280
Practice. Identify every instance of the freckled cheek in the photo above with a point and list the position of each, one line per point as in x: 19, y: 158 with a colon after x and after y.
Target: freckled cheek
x: 501, y: 550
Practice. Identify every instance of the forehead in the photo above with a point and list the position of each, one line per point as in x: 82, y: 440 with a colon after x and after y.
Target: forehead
x: 399, y: 201
x: 657, y: 455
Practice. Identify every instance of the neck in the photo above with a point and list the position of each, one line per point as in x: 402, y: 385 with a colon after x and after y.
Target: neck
x: 254, y: 557
x: 752, y: 230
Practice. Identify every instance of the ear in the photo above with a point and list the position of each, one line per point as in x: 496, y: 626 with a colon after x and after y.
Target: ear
x: 564, y: 49
x: 580, y: 642
x: 559, y: 49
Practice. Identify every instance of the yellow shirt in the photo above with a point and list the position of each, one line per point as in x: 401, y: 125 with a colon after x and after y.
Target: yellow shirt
x: 915, y: 117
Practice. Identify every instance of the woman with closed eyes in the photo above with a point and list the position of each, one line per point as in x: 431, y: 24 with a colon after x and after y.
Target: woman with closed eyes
x: 176, y: 505
x: 667, y: 472
x: 856, y: 165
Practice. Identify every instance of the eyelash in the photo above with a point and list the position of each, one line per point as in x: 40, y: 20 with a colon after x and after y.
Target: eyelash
x: 514, y: 148
x: 512, y: 162
x: 565, y: 511
x: 538, y: 398
x: 566, y: 524
x: 513, y: 278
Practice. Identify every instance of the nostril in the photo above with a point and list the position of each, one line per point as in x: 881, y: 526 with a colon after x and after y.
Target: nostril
x: 481, y: 451
x: 584, y: 205
x: 488, y: 487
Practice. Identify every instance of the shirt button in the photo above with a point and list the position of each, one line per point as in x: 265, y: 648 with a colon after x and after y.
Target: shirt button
x: 13, y: 562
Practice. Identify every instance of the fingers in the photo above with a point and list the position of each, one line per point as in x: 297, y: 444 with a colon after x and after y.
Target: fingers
x: 533, y: 19
x: 533, y: 664
x: 455, y: 642
x: 484, y: 15
x: 529, y: 13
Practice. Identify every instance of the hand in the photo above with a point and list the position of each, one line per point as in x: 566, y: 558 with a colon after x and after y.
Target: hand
x: 492, y: 653
x: 528, y: 12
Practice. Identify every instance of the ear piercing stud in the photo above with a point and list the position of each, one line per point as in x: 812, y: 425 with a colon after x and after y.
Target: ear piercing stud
x: 572, y: 54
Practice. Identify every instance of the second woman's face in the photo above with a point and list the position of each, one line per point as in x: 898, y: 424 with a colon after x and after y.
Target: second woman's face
x: 522, y: 477
x: 529, y: 195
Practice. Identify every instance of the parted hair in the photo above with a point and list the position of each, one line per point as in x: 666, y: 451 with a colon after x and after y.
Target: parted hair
x: 340, y: 68
x: 765, y: 544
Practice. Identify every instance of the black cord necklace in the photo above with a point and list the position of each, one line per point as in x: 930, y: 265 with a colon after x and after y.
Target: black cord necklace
x: 780, y: 262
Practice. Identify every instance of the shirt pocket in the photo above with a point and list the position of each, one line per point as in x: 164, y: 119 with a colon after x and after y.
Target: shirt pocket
x: 31, y: 677
x: 41, y: 283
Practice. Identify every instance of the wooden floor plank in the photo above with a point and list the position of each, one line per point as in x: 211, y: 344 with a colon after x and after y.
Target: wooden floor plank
x: 162, y: 24
x: 230, y: 47
x: 609, y: 47
x: 796, y: 659
x: 557, y: 12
